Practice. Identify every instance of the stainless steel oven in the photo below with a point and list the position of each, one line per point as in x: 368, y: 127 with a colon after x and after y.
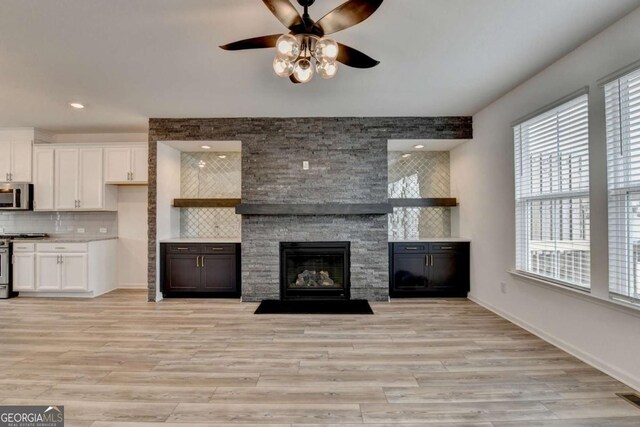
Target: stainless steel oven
x: 5, y: 265
x: 16, y: 196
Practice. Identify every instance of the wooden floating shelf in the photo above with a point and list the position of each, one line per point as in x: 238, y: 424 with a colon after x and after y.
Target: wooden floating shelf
x: 206, y: 203
x: 315, y: 209
x: 424, y: 203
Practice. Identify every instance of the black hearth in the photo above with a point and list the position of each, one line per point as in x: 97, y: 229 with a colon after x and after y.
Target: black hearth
x: 314, y: 270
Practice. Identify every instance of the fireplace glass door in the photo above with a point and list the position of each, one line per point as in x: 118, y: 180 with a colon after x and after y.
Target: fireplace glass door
x: 314, y: 270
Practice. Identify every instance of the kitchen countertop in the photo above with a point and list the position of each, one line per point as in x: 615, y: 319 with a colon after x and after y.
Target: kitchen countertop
x: 432, y: 240
x: 67, y: 239
x: 200, y: 240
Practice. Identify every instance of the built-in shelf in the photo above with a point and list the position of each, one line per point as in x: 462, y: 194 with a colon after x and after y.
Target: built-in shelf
x: 424, y: 203
x: 206, y: 203
x: 315, y: 209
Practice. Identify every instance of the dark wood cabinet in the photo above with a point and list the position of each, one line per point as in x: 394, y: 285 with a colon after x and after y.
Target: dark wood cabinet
x: 422, y: 270
x: 202, y: 269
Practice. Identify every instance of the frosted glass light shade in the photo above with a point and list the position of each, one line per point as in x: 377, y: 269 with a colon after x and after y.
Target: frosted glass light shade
x: 288, y: 47
x: 303, y: 71
x: 282, y: 66
x: 327, y: 70
x: 326, y: 50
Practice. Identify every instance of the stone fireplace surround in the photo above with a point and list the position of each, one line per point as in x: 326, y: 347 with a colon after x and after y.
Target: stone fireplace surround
x: 348, y: 165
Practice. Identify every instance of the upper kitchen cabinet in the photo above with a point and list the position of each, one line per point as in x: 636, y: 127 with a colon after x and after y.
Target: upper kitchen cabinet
x: 15, y: 159
x: 43, y: 178
x: 126, y: 165
x: 78, y: 181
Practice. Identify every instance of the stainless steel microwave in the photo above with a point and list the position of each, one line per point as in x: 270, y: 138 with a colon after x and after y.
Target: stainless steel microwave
x: 16, y: 196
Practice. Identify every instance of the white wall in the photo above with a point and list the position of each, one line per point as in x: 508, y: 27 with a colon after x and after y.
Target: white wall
x: 168, y: 188
x: 132, y: 237
x: 482, y: 170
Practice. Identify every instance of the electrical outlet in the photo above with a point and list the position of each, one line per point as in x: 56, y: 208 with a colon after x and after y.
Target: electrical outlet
x: 1, y: 229
x: 305, y: 165
x: 103, y: 230
x: 503, y: 287
x: 80, y: 230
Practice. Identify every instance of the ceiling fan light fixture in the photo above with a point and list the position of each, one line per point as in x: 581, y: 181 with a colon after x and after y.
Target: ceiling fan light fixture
x: 288, y: 47
x: 303, y: 70
x: 326, y: 50
x: 327, y: 70
x: 282, y: 67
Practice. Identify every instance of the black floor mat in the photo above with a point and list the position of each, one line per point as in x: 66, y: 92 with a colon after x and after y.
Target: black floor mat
x: 314, y: 307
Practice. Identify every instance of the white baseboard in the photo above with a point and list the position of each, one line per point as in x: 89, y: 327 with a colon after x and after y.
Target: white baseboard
x: 622, y: 376
x: 132, y: 285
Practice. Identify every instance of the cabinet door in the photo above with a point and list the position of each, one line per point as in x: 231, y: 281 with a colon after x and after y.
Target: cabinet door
x: 24, y: 268
x: 219, y: 273
x: 117, y: 165
x: 90, y: 181
x: 139, y: 164
x: 447, y: 272
x: 74, y: 272
x: 5, y: 160
x: 410, y: 272
x: 66, y: 178
x: 21, y: 161
x: 43, y: 178
x: 48, y: 272
x: 182, y: 273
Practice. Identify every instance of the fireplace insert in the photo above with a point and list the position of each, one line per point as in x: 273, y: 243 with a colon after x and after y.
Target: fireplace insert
x: 314, y: 270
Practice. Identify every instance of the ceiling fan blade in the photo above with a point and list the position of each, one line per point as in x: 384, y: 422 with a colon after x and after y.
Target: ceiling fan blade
x: 354, y: 58
x: 347, y: 15
x: 254, y: 43
x: 293, y: 79
x: 285, y: 12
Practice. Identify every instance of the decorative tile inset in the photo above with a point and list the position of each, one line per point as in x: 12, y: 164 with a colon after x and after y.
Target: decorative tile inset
x: 210, y: 175
x: 216, y: 223
x: 207, y: 175
x: 423, y: 174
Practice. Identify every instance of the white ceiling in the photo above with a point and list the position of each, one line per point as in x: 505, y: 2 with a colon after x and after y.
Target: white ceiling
x: 129, y: 60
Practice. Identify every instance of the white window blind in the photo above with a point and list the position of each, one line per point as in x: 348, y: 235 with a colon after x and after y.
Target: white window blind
x: 622, y: 100
x: 552, y: 194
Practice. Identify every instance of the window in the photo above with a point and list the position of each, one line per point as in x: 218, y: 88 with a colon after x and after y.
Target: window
x: 552, y: 194
x: 622, y: 101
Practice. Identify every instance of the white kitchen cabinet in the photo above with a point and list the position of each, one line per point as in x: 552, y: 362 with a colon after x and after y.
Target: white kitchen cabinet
x: 85, y: 269
x: 24, y: 271
x: 66, y: 178
x: 48, y: 272
x: 43, y: 178
x: 126, y: 165
x: 61, y: 272
x: 78, y: 182
x: 73, y: 272
x: 90, y: 180
x: 15, y: 160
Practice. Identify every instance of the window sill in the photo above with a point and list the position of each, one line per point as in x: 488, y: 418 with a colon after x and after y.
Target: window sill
x: 584, y: 294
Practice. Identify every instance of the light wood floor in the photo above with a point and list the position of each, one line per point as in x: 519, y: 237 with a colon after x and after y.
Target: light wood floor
x: 120, y: 361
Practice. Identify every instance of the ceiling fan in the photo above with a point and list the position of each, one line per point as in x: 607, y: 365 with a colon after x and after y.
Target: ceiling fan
x: 307, y: 41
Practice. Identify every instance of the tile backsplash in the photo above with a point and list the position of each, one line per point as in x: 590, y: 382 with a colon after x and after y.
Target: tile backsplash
x: 210, y: 175
x: 65, y: 223
x: 423, y: 174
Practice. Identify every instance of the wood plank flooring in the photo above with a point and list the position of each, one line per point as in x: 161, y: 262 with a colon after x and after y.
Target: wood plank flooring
x: 118, y: 361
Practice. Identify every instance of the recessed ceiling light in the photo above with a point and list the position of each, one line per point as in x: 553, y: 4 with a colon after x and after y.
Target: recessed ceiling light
x: 222, y: 156
x: 419, y: 146
x: 206, y: 147
x: 76, y: 105
x: 404, y: 156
